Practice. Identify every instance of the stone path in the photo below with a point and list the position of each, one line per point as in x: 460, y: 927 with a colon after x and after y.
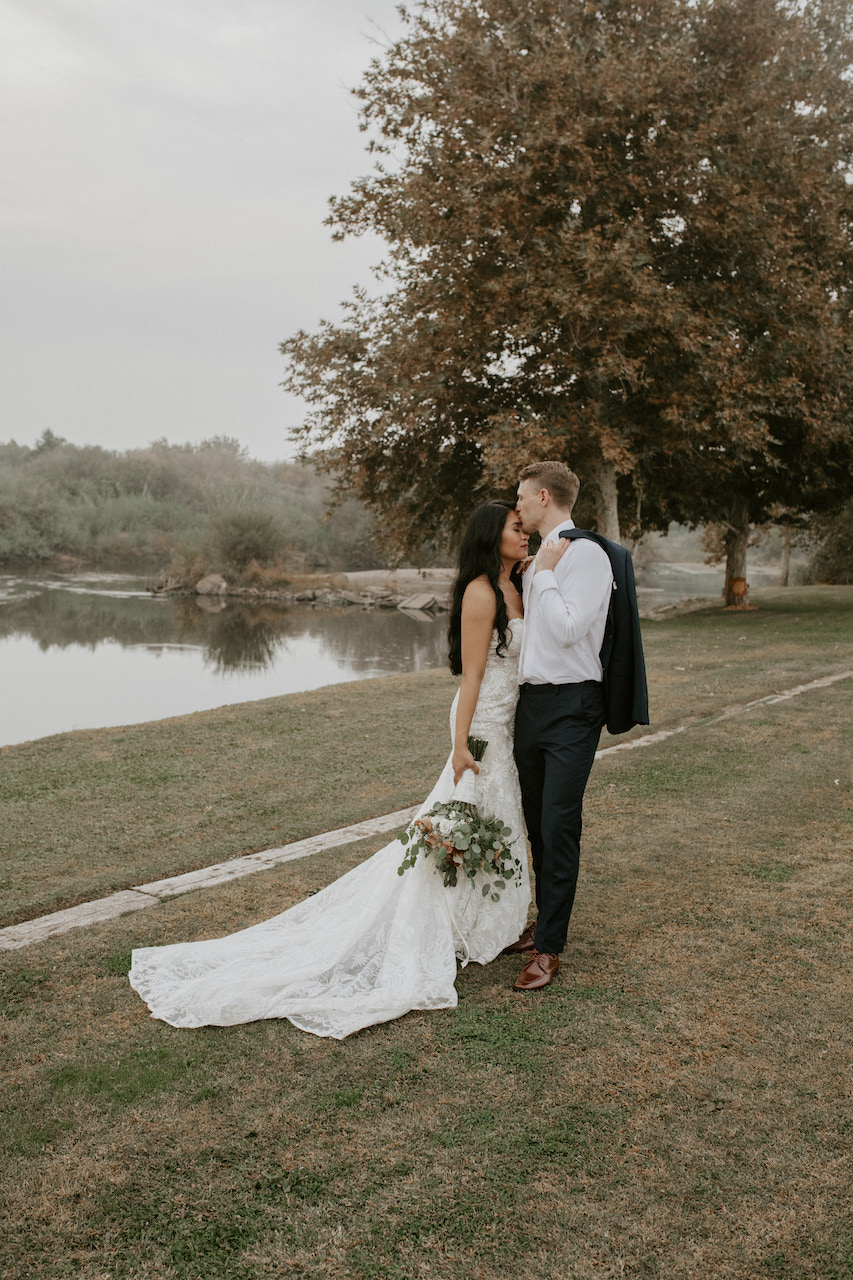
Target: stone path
x: 146, y: 895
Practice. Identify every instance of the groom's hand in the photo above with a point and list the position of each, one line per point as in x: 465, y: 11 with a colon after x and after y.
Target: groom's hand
x: 550, y: 554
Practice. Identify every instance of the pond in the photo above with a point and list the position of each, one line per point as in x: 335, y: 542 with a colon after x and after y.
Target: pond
x: 90, y: 650
x: 97, y: 650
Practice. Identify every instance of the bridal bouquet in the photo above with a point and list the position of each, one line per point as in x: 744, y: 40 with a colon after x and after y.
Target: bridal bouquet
x: 459, y: 838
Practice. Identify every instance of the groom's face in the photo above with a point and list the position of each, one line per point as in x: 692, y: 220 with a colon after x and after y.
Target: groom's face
x: 529, y: 505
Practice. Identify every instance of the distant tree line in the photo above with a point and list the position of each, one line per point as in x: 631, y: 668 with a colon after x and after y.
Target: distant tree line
x: 191, y: 508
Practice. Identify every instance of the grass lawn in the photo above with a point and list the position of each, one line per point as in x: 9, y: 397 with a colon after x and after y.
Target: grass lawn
x: 678, y: 1104
x: 92, y: 812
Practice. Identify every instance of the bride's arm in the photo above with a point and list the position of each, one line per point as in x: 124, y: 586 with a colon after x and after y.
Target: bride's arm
x: 478, y: 620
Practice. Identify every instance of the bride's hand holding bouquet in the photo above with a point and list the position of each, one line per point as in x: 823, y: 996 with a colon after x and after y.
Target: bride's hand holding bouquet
x: 459, y: 838
x: 463, y: 761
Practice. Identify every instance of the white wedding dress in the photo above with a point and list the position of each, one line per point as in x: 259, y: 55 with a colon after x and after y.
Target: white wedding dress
x: 374, y: 944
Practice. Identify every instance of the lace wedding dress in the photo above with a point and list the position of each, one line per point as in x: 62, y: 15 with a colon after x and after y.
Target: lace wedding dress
x: 374, y: 944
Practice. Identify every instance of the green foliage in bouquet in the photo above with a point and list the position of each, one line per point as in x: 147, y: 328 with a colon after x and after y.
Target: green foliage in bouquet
x: 460, y: 839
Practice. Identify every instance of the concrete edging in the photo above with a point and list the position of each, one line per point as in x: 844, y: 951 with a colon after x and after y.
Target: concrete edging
x: 146, y: 895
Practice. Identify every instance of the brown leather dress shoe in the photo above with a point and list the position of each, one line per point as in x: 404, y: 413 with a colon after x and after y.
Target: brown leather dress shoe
x: 524, y: 943
x: 538, y: 972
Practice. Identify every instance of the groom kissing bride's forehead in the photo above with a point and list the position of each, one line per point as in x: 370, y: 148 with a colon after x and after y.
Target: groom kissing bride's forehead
x: 569, y: 687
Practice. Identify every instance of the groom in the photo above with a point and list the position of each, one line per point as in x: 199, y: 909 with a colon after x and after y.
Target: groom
x: 561, y: 703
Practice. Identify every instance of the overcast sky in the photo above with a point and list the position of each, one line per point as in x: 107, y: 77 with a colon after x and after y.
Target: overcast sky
x: 166, y: 167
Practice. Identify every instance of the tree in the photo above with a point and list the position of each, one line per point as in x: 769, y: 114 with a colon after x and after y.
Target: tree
x: 764, y: 253
x: 619, y: 234
x: 47, y: 441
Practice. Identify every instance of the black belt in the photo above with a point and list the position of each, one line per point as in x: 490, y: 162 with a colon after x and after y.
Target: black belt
x: 556, y: 688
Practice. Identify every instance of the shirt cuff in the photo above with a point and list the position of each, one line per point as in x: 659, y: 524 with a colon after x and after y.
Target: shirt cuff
x: 543, y: 580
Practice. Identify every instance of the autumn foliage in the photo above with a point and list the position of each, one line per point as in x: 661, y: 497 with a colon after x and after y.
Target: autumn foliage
x: 618, y: 234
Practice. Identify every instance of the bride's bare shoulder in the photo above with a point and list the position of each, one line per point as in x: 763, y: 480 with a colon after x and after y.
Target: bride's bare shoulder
x: 479, y: 599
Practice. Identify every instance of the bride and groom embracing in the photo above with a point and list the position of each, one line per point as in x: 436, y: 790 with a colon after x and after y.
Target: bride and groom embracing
x: 525, y: 637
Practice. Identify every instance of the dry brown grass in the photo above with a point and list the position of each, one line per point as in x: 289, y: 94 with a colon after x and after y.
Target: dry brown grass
x: 677, y: 1105
x: 90, y: 812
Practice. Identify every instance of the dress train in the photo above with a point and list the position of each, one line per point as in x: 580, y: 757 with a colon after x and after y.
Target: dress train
x: 374, y: 944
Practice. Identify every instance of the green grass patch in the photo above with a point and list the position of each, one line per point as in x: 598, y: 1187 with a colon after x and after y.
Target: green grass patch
x: 826, y: 1259
x: 778, y: 873
x: 19, y: 990
x: 122, y: 1081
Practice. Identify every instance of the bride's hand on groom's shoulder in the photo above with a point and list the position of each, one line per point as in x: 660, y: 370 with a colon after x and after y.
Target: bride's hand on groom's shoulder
x: 462, y: 760
x: 550, y: 554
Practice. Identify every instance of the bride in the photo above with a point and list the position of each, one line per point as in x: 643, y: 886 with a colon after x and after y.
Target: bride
x: 375, y: 944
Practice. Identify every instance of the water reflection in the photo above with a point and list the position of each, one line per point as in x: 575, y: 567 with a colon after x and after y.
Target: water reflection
x: 364, y: 640
x: 234, y: 636
x: 82, y: 657
x: 82, y: 652
x: 56, y: 617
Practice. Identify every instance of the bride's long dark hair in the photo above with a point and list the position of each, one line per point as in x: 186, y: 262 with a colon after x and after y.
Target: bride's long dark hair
x: 478, y: 555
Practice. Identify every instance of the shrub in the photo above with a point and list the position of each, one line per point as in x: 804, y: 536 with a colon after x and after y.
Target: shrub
x: 246, y: 532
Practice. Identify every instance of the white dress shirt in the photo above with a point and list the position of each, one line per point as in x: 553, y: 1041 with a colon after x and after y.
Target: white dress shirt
x: 565, y: 612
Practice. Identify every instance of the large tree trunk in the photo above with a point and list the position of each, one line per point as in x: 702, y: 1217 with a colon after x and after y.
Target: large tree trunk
x: 607, y: 501
x: 736, y: 589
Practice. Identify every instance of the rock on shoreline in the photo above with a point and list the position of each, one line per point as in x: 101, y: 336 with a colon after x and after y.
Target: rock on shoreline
x: 416, y: 591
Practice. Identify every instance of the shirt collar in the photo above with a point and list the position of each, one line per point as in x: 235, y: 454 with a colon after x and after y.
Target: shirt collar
x: 554, y: 535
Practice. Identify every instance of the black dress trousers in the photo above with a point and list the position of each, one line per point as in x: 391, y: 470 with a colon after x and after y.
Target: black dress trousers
x: 557, y: 728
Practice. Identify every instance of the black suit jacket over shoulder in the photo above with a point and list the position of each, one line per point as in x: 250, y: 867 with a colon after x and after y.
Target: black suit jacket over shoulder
x: 626, y: 694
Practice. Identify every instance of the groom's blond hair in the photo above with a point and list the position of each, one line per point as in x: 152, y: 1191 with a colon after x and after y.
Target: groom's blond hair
x: 562, y: 484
